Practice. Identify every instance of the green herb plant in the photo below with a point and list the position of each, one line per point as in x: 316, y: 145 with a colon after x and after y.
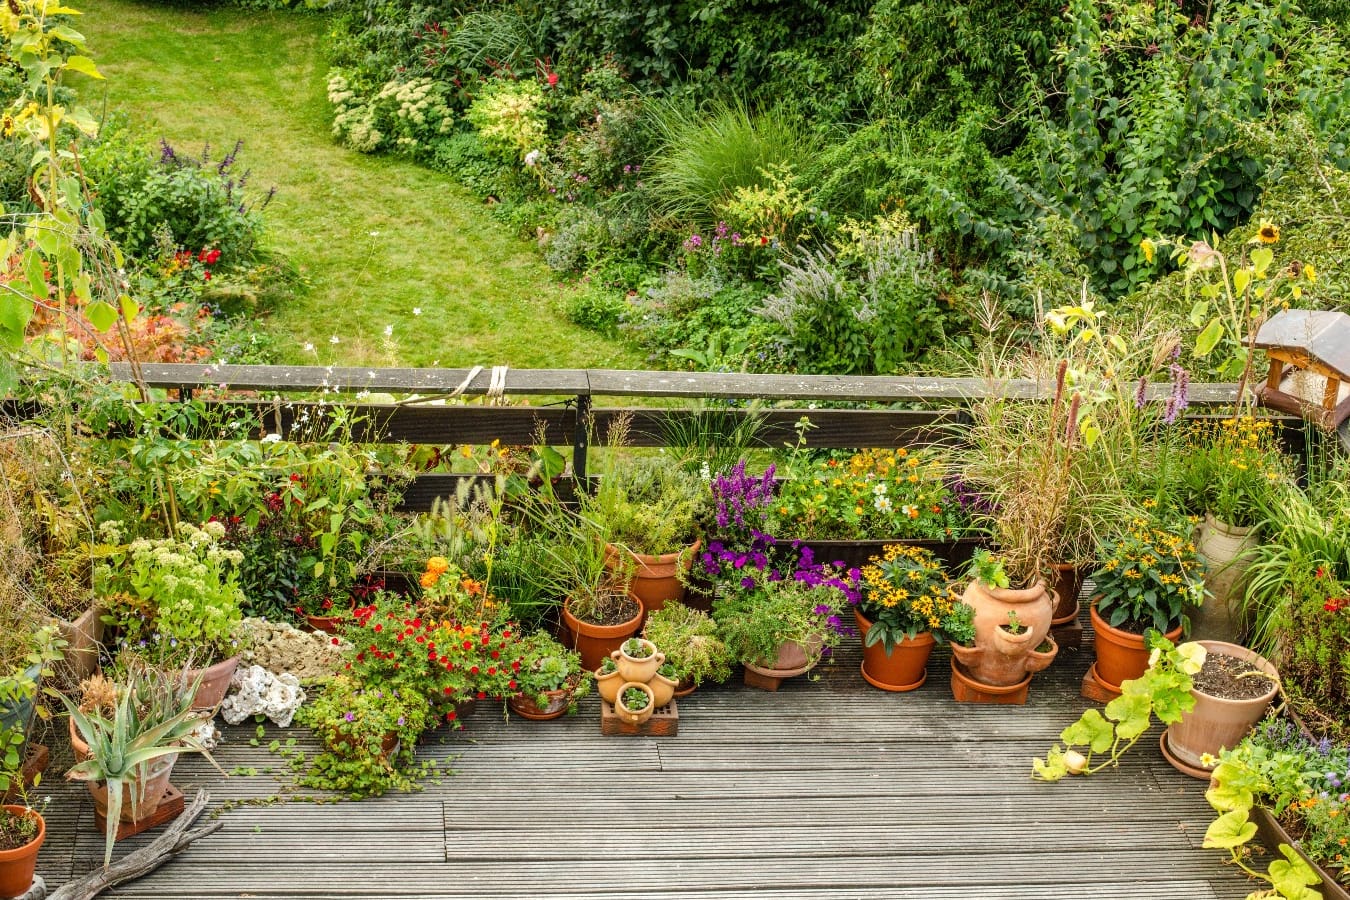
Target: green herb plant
x: 1164, y: 690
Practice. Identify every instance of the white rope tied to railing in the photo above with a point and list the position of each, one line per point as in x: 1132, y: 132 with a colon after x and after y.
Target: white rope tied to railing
x: 496, y: 392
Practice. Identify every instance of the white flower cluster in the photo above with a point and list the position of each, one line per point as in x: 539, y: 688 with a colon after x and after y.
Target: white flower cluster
x: 422, y: 109
x: 254, y: 690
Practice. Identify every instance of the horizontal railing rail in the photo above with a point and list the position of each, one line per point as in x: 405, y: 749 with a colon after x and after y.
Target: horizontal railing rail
x: 428, y: 406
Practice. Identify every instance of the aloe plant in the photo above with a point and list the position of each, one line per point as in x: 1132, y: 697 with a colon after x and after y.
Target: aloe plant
x: 153, y: 718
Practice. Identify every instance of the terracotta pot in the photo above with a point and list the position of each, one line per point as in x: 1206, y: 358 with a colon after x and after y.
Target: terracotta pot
x: 998, y: 661
x: 655, y: 578
x: 1039, y: 659
x: 966, y: 689
x: 1121, y: 655
x: 1068, y: 585
x: 1216, y: 723
x: 215, y: 683
x: 556, y: 704
x: 1224, y: 549
x: 794, y: 656
x: 663, y: 689
x: 636, y: 717
x: 141, y: 794
x: 326, y: 624
x: 595, y: 642
x: 639, y: 668
x: 607, y: 686
x: 904, y: 668
x: 77, y: 744
x: 686, y: 687
x: 345, y: 744
x: 18, y: 865
x: 1272, y: 834
x: 84, y: 637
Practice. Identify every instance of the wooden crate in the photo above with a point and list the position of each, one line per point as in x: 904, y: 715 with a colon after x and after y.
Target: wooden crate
x: 170, y: 808
x: 665, y: 722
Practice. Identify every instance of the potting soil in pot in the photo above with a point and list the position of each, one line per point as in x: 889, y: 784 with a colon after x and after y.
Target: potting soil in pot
x: 1228, y: 678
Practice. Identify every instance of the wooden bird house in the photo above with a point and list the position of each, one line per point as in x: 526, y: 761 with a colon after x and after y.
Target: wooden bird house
x: 1309, y: 374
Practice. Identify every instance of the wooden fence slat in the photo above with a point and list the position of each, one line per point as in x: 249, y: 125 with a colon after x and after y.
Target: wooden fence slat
x: 619, y: 383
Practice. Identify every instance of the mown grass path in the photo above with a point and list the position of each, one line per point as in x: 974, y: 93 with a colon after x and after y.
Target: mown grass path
x: 376, y: 237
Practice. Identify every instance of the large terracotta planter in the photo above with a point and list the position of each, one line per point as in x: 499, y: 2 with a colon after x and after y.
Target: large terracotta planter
x: 1068, y: 585
x: 1121, y: 655
x: 1224, y: 549
x: 18, y: 865
x: 215, y: 683
x: 595, y: 642
x: 140, y: 795
x: 1216, y: 723
x: 904, y: 668
x: 656, y: 579
x: 996, y: 659
x: 84, y: 638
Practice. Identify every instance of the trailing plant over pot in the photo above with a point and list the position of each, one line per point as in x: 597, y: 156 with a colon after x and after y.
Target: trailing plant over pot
x: 691, y: 643
x: 369, y: 732
x: 173, y: 598
x: 788, y: 623
x: 1164, y: 690
x: 550, y: 678
x: 1300, y: 783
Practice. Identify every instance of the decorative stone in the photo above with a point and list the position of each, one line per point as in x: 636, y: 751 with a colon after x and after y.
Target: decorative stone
x: 255, y: 690
x: 279, y: 647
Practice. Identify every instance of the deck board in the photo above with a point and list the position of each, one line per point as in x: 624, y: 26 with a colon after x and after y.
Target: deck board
x: 825, y: 789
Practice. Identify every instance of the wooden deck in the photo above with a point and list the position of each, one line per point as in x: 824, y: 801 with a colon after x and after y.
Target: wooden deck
x: 826, y: 789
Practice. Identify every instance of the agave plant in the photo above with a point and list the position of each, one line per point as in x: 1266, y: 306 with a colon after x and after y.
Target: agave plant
x: 153, y: 718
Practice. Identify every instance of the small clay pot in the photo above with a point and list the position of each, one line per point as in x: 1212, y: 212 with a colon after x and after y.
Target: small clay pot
x: 636, y: 717
x: 639, y: 668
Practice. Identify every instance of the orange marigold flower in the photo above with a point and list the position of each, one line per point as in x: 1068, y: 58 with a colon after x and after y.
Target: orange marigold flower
x: 429, y: 578
x: 438, y: 564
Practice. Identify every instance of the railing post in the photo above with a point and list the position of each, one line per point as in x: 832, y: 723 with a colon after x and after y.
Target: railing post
x: 580, y: 438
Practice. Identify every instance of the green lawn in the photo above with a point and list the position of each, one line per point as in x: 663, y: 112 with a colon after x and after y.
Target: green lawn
x: 376, y: 237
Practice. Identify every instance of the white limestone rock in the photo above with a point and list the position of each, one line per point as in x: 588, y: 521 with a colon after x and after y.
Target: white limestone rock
x: 255, y: 690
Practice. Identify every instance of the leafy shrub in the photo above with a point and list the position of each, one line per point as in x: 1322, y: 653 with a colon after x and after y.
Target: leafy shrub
x: 509, y: 118
x: 199, y: 200
x: 703, y: 157
x: 925, y: 59
x: 870, y: 307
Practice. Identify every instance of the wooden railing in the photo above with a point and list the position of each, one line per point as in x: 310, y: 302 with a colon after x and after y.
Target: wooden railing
x: 885, y: 411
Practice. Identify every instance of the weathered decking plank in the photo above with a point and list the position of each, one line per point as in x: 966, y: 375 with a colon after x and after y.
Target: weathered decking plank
x: 826, y: 789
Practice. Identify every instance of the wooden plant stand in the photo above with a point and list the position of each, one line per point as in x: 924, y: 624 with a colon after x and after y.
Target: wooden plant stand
x: 665, y: 722
x: 1069, y: 636
x: 170, y: 808
x: 1095, y: 690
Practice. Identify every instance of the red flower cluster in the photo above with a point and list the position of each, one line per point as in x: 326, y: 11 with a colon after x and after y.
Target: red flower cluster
x: 1336, y: 604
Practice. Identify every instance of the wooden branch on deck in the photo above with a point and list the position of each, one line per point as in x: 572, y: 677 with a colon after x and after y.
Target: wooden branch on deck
x: 175, y: 839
